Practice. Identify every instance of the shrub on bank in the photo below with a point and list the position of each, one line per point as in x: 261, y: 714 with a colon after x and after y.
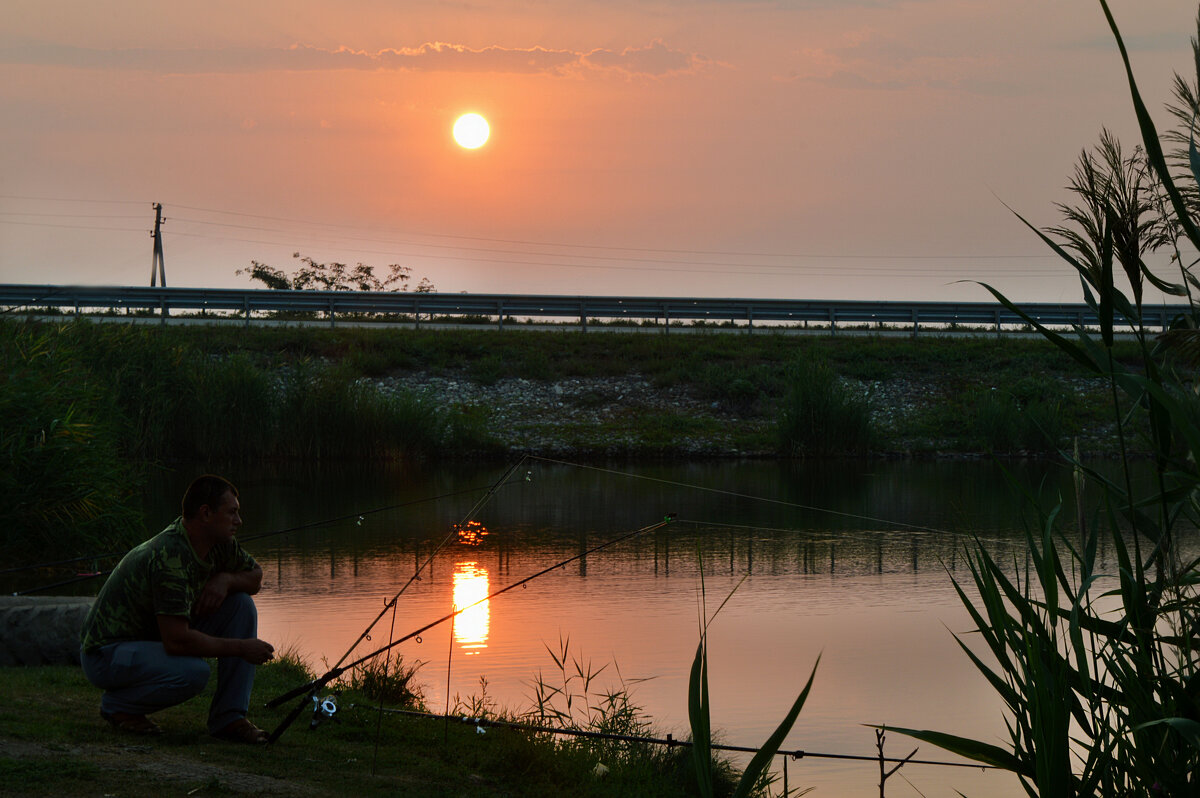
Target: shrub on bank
x: 1032, y: 415
x: 820, y: 415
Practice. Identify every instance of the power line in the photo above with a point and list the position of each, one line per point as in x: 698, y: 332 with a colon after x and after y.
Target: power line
x: 937, y: 265
x: 524, y: 242
x: 73, y: 199
x: 71, y: 215
x: 690, y: 268
x: 527, y: 242
x: 75, y: 227
x: 617, y: 258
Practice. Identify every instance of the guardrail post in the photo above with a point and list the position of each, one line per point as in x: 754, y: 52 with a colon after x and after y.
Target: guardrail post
x: 997, y: 316
x: 246, y: 309
x: 500, y: 312
x: 666, y: 320
x: 162, y: 310
x: 916, y: 321
x: 582, y: 316
x: 749, y: 321
x: 331, y: 312
x: 832, y: 322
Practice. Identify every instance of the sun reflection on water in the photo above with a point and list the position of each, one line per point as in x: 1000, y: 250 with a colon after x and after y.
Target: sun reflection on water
x: 471, y: 533
x: 471, y: 627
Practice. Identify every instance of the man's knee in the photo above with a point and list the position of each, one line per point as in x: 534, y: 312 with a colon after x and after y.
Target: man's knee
x: 236, y: 617
x: 242, y: 606
x: 190, y: 674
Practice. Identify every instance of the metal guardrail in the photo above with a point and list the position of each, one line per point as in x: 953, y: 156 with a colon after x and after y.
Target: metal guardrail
x: 249, y: 304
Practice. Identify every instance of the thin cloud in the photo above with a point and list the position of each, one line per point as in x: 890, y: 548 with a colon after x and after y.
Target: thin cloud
x: 653, y: 60
x: 870, y: 61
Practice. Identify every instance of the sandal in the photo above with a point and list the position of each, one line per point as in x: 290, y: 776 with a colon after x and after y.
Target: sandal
x: 242, y: 731
x: 131, y: 724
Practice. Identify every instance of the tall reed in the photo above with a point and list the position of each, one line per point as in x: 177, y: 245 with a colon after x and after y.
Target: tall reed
x: 756, y: 777
x: 1098, y: 668
x: 63, y: 487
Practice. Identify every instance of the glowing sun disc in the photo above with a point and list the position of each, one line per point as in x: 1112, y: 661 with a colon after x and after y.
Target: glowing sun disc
x: 471, y: 131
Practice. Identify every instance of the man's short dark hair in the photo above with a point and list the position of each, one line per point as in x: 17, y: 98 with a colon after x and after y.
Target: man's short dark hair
x: 208, y: 489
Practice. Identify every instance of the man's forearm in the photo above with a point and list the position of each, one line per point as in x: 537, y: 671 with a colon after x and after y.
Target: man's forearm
x: 249, y: 582
x: 194, y: 643
x: 181, y: 640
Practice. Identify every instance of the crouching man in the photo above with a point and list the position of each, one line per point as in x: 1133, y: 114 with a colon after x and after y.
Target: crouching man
x: 172, y: 601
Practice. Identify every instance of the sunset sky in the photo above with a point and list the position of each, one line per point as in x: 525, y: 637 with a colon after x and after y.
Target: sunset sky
x: 801, y: 148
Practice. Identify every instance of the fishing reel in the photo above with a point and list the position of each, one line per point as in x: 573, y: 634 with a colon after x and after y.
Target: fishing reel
x: 323, y: 709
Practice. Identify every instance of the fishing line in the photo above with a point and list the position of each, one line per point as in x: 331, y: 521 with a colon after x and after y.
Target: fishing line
x: 793, y: 530
x: 416, y: 574
x: 316, y: 684
x: 738, y: 495
x: 382, y: 690
x: 672, y: 742
x: 247, y: 539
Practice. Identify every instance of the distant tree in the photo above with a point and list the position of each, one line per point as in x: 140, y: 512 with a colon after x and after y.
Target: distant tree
x: 333, y: 277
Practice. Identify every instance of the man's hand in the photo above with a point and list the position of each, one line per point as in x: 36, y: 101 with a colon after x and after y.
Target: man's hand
x: 257, y: 651
x: 213, y: 595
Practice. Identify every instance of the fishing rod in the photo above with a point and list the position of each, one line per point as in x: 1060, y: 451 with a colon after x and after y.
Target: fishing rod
x: 64, y: 583
x: 315, y: 685
x: 366, y: 634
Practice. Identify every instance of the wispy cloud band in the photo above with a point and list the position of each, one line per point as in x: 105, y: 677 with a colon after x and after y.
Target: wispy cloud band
x: 655, y: 59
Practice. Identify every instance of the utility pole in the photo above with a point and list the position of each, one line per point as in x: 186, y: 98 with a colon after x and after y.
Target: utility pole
x: 157, y: 266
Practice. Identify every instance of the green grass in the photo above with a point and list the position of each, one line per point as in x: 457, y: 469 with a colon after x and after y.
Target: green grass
x: 53, y: 742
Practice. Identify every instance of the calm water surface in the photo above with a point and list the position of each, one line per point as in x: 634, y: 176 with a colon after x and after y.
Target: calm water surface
x: 847, y: 561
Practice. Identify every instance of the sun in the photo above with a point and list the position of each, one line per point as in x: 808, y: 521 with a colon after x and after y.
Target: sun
x: 471, y: 131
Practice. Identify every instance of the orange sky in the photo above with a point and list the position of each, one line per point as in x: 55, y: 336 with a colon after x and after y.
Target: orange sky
x: 801, y: 148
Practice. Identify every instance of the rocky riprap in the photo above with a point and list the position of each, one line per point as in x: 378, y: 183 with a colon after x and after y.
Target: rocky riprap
x: 577, y: 415
x: 615, y: 415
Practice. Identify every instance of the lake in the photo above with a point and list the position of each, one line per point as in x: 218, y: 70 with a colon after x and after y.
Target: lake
x: 849, y: 561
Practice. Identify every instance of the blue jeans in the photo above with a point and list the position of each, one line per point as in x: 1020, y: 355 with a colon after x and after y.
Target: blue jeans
x: 139, y: 677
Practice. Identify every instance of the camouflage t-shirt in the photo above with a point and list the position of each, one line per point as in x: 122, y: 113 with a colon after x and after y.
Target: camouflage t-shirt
x: 162, y: 576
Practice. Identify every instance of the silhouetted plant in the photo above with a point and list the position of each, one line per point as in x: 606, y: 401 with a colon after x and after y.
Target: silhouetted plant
x: 1099, y: 670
